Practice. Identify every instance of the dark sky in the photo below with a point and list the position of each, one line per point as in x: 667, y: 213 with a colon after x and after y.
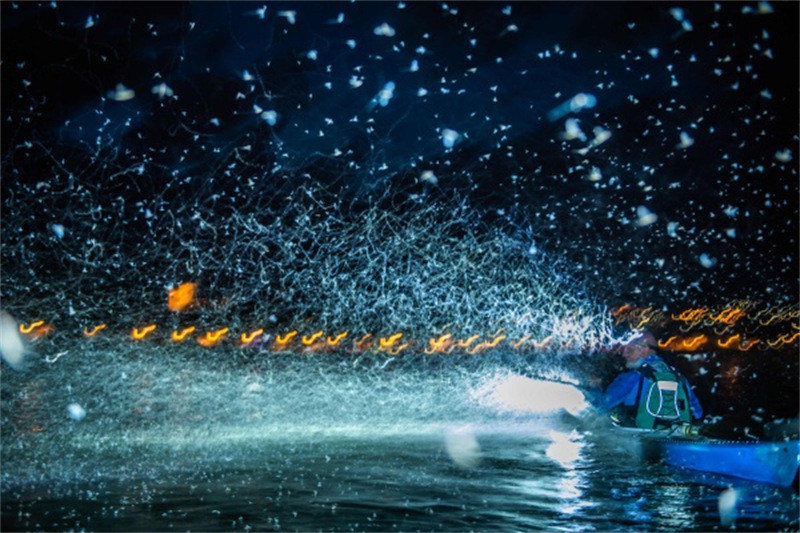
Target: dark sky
x: 695, y: 122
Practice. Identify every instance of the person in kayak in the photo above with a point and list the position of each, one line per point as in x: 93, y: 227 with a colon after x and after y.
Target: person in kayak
x: 652, y: 394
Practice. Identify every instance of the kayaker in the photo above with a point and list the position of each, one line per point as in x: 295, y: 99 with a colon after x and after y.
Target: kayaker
x: 652, y: 394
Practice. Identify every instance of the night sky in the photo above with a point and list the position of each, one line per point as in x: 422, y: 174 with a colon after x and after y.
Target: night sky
x: 679, y: 187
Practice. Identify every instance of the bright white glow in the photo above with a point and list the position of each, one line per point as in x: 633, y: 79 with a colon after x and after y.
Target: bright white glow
x: 429, y: 177
x: 162, y: 90
x: 581, y: 101
x: 386, y: 94
x: 384, y: 30
x: 515, y: 393
x: 707, y: 261
x: 12, y: 349
x: 573, y: 105
x: 728, y: 499
x: 449, y: 137
x: 271, y: 117
x: 462, y: 446
x: 686, y: 140
x: 290, y: 16
x: 76, y: 412
x: 573, y: 130
x: 645, y: 217
x: 121, y: 93
x: 565, y: 448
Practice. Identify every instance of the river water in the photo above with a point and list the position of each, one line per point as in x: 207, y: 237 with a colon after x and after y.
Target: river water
x: 227, y: 442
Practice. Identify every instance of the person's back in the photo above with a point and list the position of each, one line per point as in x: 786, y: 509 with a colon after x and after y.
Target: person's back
x: 652, y: 394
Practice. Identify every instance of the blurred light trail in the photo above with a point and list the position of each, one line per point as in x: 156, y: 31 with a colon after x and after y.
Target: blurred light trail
x: 140, y: 334
x: 247, y: 338
x: 29, y: 328
x: 94, y: 330
x: 311, y: 339
x: 178, y: 336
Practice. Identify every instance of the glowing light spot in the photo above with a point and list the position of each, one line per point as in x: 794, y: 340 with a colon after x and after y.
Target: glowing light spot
x: 336, y: 340
x: 384, y: 30
x: 94, y: 330
x: 270, y: 117
x: 140, y: 334
x: 517, y: 344
x: 544, y: 342
x: 364, y: 342
x: 387, y: 342
x: 694, y: 342
x: 449, y: 137
x: 121, y: 93
x: 178, y: 336
x: 76, y: 412
x: 565, y: 448
x: 310, y: 340
x: 686, y: 141
x: 286, y: 338
x: 290, y: 16
x: 181, y: 297
x: 439, y: 345
x: 247, y: 338
x: 727, y: 343
x: 12, y: 346
x: 466, y: 342
x: 667, y: 342
x: 462, y: 447
x: 212, y: 337
x: 162, y: 90
x: 645, y: 216
x: 515, y: 393
x: 747, y: 345
x: 727, y: 507
x: 29, y: 328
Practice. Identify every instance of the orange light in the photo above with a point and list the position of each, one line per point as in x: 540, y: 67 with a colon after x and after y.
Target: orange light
x: 336, y: 340
x: 387, y: 342
x: 181, y: 297
x: 178, y: 336
x: 247, y: 338
x: 94, y: 330
x: 286, y: 338
x: 212, y: 337
x: 438, y: 345
x: 745, y: 346
x: 728, y: 316
x: 310, y: 340
x: 364, y: 342
x: 41, y: 331
x: 728, y: 342
x: 140, y: 334
x: 776, y: 343
x: 666, y: 342
x: 620, y: 310
x: 788, y: 340
x: 695, y: 342
x: 31, y: 327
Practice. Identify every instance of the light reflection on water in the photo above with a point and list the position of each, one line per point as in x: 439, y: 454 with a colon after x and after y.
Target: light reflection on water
x: 333, y: 450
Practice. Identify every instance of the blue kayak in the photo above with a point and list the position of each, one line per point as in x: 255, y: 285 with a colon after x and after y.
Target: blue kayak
x: 776, y: 462
x: 769, y: 462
